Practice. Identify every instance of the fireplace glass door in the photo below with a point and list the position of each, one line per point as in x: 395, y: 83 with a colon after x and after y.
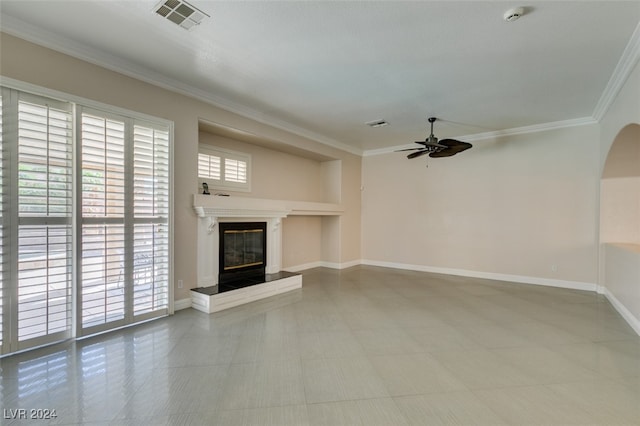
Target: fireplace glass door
x: 242, y: 250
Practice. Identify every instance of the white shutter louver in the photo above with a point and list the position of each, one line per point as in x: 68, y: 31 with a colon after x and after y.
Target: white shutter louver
x: 44, y: 184
x: 102, y: 167
x: 44, y: 211
x: 209, y: 166
x: 44, y: 293
x: 151, y: 213
x: 235, y: 170
x: 103, y: 211
x: 103, y: 276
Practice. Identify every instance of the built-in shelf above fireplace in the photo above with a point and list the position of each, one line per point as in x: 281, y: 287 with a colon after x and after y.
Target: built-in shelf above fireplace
x: 239, y: 206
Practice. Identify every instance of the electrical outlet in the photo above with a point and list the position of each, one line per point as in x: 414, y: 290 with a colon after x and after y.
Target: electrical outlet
x: 554, y: 268
x: 179, y: 283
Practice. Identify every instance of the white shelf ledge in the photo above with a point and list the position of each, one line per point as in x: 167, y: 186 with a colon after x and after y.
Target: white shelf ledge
x: 239, y: 206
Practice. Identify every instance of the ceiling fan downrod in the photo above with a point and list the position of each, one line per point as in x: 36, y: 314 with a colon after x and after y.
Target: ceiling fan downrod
x: 432, y: 138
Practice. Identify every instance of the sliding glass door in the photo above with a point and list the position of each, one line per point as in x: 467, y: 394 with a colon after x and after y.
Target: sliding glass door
x: 37, y: 144
x: 124, y: 200
x: 84, y: 220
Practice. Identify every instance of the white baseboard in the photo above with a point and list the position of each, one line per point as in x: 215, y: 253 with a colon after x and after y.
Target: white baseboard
x: 623, y: 311
x: 321, y: 264
x: 343, y: 265
x: 304, y: 266
x: 523, y: 279
x: 178, y: 305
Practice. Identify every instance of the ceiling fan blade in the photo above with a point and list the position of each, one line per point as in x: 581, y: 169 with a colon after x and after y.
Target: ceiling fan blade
x: 417, y: 154
x: 452, y: 148
x: 443, y: 153
x: 407, y: 149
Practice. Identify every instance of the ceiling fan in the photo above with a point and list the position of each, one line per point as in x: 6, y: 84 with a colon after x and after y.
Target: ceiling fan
x: 436, y: 148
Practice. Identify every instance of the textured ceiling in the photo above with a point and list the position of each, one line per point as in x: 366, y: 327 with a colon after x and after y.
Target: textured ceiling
x: 324, y: 68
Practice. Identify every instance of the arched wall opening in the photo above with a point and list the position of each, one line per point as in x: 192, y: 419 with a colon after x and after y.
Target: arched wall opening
x: 620, y: 189
x: 620, y: 224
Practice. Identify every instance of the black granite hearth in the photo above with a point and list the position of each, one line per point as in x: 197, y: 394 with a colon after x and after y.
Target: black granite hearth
x: 244, y: 282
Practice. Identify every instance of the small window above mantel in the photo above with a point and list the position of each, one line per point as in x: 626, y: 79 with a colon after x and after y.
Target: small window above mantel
x: 223, y: 169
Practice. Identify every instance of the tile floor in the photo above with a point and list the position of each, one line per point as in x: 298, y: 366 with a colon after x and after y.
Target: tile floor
x: 363, y: 346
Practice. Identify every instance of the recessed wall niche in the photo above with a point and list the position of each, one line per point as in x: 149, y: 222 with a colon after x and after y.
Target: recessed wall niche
x: 283, y: 172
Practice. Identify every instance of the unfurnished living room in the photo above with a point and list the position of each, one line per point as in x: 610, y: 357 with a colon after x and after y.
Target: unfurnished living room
x: 319, y: 212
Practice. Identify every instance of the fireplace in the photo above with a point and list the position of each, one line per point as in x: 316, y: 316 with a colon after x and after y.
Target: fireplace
x: 216, y: 212
x: 242, y: 251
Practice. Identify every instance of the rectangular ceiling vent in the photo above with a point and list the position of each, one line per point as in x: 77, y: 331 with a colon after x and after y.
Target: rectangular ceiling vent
x: 377, y: 123
x: 180, y: 13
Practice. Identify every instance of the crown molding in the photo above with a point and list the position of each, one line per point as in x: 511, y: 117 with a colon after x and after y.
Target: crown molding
x: 33, y: 34
x: 555, y: 125
x: 623, y: 69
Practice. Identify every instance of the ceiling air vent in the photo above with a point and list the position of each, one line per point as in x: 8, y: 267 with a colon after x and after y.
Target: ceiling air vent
x: 180, y: 13
x: 377, y: 123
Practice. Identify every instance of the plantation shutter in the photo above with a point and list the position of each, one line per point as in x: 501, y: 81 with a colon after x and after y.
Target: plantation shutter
x: 150, y: 216
x: 209, y: 166
x: 125, y: 221
x: 223, y: 169
x: 235, y: 170
x: 103, y: 253
x: 44, y: 248
x: 84, y: 217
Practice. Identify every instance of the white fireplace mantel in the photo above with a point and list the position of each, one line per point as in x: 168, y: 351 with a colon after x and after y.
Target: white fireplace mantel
x: 220, y: 206
x: 213, y: 209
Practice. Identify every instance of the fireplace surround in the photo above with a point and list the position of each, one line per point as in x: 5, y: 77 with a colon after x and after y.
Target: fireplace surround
x: 212, y: 212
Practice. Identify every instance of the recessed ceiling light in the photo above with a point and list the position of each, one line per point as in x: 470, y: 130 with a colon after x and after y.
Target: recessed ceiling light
x: 377, y: 123
x: 180, y: 13
x: 513, y: 14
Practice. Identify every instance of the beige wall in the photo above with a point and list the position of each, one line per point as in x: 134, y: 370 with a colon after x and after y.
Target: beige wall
x: 301, y: 241
x: 522, y: 205
x: 620, y: 201
x: 275, y: 174
x: 280, y: 175
x: 349, y: 225
x: 40, y: 66
x: 620, y: 210
x: 622, y: 276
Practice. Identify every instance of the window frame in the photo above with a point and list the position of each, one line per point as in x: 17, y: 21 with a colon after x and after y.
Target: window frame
x: 224, y: 184
x: 21, y: 289
x: 10, y: 220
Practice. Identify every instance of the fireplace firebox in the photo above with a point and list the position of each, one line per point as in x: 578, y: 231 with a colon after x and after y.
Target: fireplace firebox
x: 243, y: 251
